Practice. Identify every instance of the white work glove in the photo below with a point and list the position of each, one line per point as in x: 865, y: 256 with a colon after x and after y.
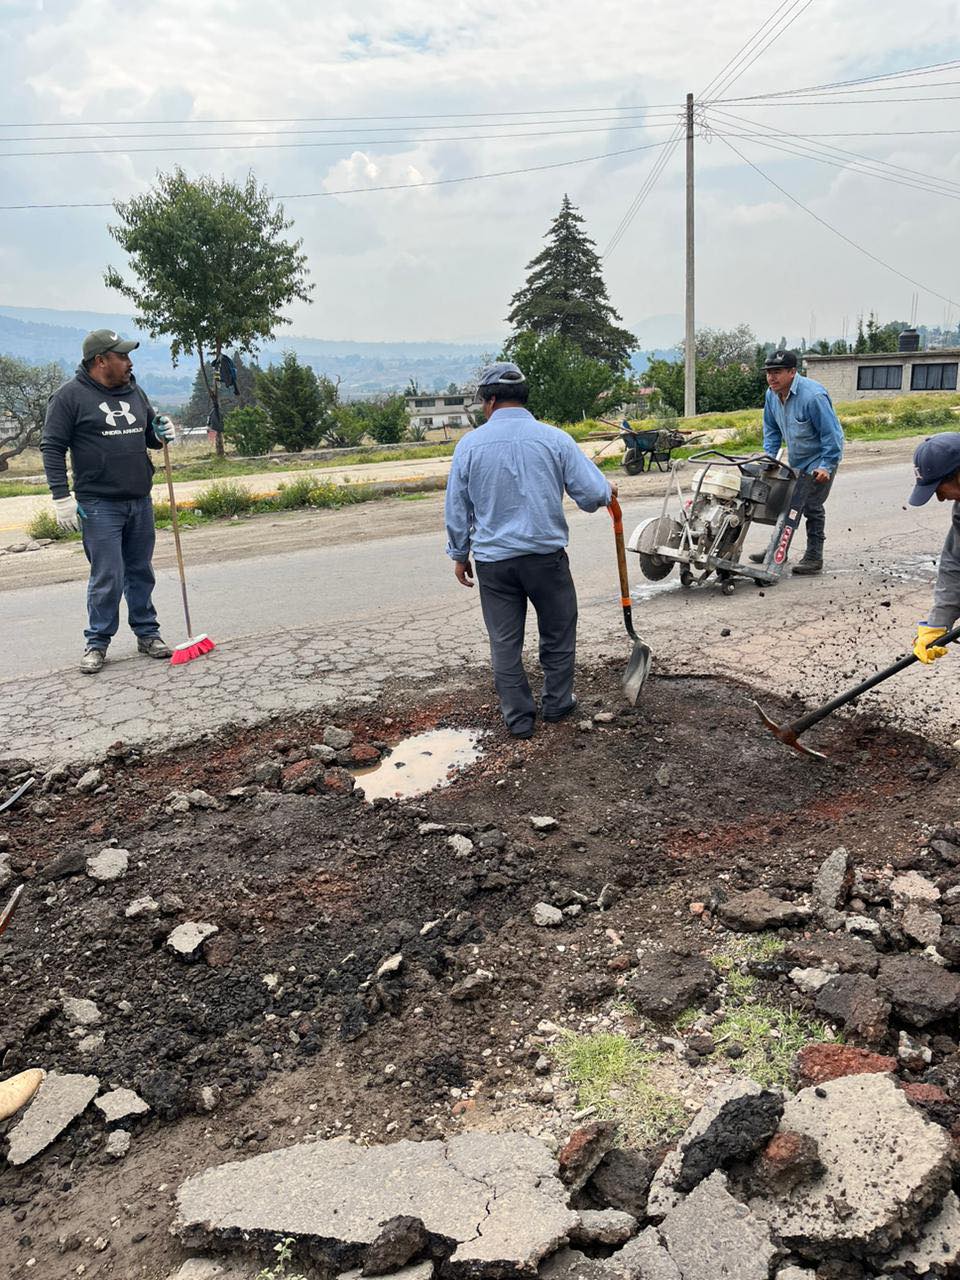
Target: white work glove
x: 65, y: 510
x: 163, y: 428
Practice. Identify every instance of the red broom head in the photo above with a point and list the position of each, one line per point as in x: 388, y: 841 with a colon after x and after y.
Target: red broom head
x: 190, y: 649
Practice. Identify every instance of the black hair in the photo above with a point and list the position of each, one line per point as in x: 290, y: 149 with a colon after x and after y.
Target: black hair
x: 498, y: 392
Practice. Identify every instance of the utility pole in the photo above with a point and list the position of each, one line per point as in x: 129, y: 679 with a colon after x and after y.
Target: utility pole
x: 690, y: 339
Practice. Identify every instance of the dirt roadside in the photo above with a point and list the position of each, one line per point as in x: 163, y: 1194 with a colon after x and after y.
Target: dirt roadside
x: 243, y: 538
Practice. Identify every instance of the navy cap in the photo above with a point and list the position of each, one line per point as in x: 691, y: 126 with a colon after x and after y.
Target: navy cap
x: 934, y: 461
x: 781, y: 360
x: 501, y: 374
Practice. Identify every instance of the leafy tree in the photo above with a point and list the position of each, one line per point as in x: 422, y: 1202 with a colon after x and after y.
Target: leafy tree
x: 384, y: 418
x: 24, y: 392
x: 197, y: 409
x: 565, y: 385
x: 564, y: 295
x: 249, y: 430
x: 726, y: 346
x: 213, y: 269
x: 720, y: 388
x: 345, y: 429
x: 861, y: 344
x: 299, y: 404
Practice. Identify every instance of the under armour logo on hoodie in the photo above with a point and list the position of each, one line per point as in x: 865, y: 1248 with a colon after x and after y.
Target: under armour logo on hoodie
x: 111, y: 415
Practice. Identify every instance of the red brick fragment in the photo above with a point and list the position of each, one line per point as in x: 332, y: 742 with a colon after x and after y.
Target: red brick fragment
x: 818, y: 1063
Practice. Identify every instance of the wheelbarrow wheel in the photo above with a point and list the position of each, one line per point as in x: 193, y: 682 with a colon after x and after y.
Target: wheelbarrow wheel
x: 632, y: 464
x: 728, y: 587
x: 686, y: 578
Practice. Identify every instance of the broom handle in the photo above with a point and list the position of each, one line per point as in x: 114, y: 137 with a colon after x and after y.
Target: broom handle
x: 176, y: 537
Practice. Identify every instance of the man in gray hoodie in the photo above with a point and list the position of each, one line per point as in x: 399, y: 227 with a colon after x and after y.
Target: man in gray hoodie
x: 107, y: 423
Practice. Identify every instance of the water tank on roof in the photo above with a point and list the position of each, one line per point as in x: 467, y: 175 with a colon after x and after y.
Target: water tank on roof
x: 909, y: 340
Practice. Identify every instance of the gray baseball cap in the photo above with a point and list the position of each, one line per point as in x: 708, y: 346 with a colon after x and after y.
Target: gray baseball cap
x: 501, y: 374
x: 100, y: 341
x: 934, y: 461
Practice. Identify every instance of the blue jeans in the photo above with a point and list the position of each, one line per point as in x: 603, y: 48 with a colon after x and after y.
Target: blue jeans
x: 118, y: 539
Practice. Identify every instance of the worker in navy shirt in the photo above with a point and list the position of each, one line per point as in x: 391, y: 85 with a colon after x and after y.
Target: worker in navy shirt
x: 504, y: 505
x: 798, y: 413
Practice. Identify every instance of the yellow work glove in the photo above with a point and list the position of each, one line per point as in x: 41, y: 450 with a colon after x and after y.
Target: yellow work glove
x: 925, y: 646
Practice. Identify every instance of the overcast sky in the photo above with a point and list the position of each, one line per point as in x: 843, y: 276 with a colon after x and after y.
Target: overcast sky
x: 441, y: 262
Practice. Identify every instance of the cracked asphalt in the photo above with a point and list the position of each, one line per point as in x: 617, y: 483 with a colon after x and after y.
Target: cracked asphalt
x: 330, y: 624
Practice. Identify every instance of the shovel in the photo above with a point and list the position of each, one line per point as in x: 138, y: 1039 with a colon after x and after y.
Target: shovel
x: 789, y: 733
x: 638, y: 668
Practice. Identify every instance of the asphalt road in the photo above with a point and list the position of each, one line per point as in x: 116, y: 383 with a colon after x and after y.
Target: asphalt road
x: 349, y: 587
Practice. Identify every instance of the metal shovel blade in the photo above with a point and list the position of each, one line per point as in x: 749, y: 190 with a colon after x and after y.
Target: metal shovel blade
x: 787, y: 733
x: 638, y: 668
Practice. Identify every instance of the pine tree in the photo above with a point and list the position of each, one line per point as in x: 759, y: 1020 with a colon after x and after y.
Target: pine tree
x: 565, y: 295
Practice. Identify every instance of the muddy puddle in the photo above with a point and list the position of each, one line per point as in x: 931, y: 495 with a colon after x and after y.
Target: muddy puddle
x: 421, y: 763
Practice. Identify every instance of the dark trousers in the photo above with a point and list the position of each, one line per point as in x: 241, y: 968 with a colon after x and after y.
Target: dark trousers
x: 813, y: 512
x: 118, y: 538
x: 505, y: 588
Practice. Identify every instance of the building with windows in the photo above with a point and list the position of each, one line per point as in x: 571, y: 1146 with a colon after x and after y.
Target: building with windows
x: 440, y: 410
x: 874, y: 374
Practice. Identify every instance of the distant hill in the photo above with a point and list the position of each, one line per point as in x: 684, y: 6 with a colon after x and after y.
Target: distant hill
x: 42, y: 335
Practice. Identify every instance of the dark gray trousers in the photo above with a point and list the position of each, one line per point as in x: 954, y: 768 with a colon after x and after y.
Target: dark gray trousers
x: 505, y: 588
x: 813, y: 511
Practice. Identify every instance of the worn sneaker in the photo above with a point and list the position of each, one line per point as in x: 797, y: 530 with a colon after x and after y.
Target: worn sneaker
x: 808, y: 565
x: 153, y: 647
x: 552, y: 718
x: 92, y: 661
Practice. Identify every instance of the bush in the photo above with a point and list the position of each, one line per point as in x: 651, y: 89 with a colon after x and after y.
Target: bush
x: 249, y: 430
x: 44, y: 525
x: 298, y: 493
x: 387, y: 420
x: 416, y: 431
x: 345, y: 429
x: 224, y: 498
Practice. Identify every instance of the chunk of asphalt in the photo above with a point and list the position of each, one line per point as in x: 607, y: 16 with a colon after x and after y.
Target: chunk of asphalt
x: 834, y: 880
x: 712, y: 1234
x: 919, y: 990
x: 494, y: 1197
x: 936, y: 1251
x: 603, y: 1226
x: 621, y: 1181
x: 56, y: 1104
x: 643, y: 1258
x: 886, y: 1168
x: 663, y: 1196
x: 185, y: 940
x: 400, y: 1239
x: 756, y: 910
x: 108, y: 865
x: 121, y: 1104
x: 735, y: 1121
x: 571, y: 1264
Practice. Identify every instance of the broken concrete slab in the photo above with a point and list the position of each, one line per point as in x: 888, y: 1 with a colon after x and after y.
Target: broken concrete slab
x: 913, y: 887
x: 496, y: 1198
x: 756, y: 910
x: 663, y: 1196
x: 712, y: 1234
x: 734, y: 1122
x: 603, y: 1226
x: 571, y: 1264
x: 922, y: 926
x: 919, y: 990
x: 885, y: 1168
x: 809, y: 981
x: 664, y: 983
x: 56, y: 1104
x: 121, y: 1104
x: 936, y: 1251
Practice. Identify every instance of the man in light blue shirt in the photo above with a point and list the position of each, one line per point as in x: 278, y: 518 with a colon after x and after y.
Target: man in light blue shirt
x: 798, y: 412
x: 504, y: 505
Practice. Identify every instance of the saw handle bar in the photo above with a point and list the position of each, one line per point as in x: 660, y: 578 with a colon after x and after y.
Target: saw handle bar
x: 731, y: 460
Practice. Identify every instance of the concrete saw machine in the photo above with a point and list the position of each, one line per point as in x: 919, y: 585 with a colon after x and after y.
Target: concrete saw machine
x: 727, y: 494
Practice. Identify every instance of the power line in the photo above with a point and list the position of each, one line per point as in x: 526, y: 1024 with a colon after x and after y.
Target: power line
x: 396, y: 186
x: 823, y: 222
x: 887, y: 75
x: 757, y: 103
x: 743, y: 49
x: 730, y: 80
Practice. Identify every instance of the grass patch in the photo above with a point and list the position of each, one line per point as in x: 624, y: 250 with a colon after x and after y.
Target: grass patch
x: 17, y: 489
x: 771, y: 1038
x: 224, y: 498
x: 612, y: 1074
x: 44, y: 525
x: 214, y: 468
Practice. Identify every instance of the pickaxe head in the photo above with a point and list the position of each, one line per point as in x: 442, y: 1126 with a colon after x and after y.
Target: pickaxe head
x: 787, y: 733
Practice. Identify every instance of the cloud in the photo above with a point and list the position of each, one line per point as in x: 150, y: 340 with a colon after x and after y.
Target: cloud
x: 388, y: 95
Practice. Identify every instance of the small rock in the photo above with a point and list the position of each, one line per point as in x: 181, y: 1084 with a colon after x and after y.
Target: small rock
x: 338, y: 739
x: 108, y: 865
x: 90, y: 780
x: 584, y: 1150
x: 120, y: 1104
x: 320, y: 751
x: 923, y: 926
x: 604, y: 717
x: 6, y: 871
x: 145, y: 906
x: 81, y: 1013
x: 914, y: 1055
x: 817, y: 1063
x: 118, y: 1143
x: 545, y: 916
x: 185, y: 941
x: 920, y: 991
x: 734, y: 1122
x: 473, y: 985
x: 544, y: 823
x: 757, y: 910
x: 857, y: 1002
x: 663, y: 775
x: 400, y: 1240
x: 834, y: 880
x: 208, y: 1097
x: 462, y: 846
x: 609, y: 895
x: 845, y: 953
x: 809, y: 981
x: 622, y: 1180
x: 392, y: 964
x: 603, y: 1226
x: 664, y: 983
x: 267, y: 772
x: 863, y: 925
x: 92, y: 1043
x: 913, y: 887
x: 786, y: 1161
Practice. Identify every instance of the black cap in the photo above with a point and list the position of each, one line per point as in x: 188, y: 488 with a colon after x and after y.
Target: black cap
x: 934, y: 461
x: 781, y: 360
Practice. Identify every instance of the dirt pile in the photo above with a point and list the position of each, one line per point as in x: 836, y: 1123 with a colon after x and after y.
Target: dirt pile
x: 274, y: 956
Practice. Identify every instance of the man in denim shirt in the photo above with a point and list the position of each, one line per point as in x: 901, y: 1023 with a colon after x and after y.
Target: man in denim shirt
x: 504, y: 505
x: 798, y: 412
